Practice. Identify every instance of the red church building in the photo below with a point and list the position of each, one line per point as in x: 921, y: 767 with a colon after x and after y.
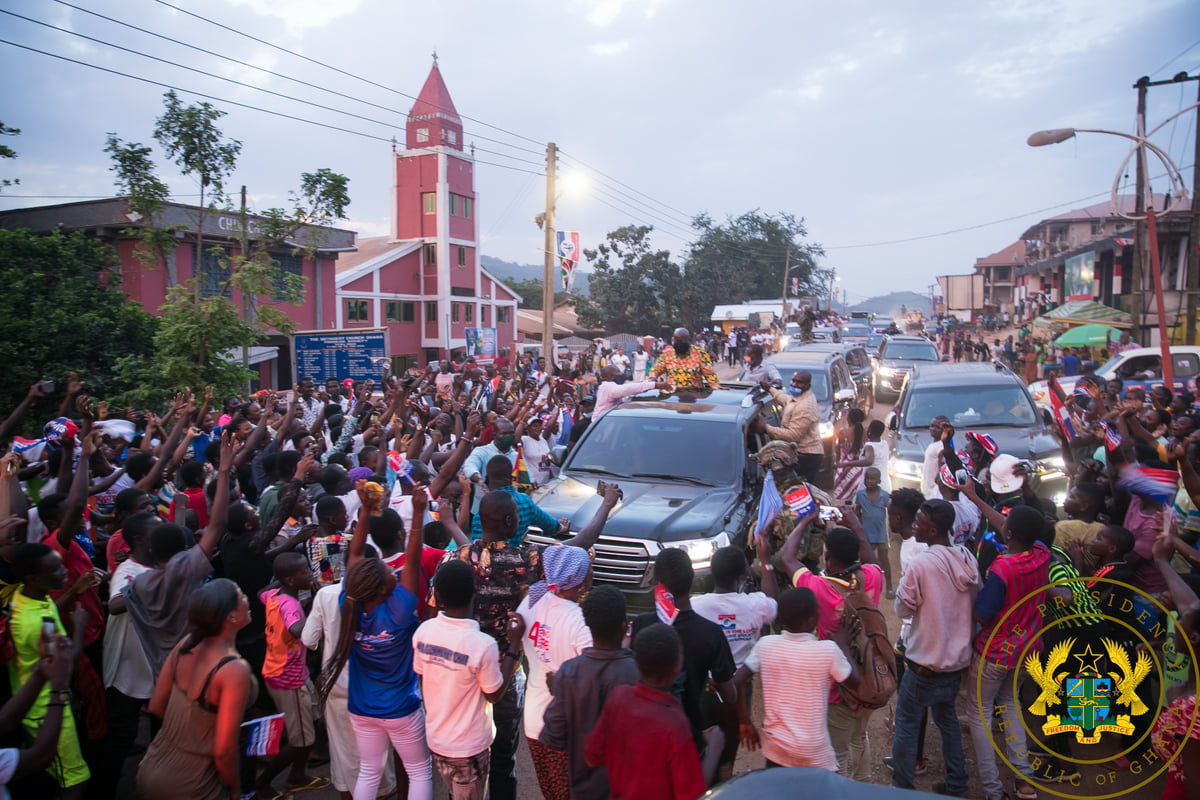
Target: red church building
x: 424, y: 283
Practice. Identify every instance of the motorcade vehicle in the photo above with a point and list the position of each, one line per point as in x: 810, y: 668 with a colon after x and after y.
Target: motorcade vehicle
x: 685, y: 466
x: 895, y: 358
x: 1137, y: 366
x: 854, y: 331
x: 881, y: 324
x: 985, y: 397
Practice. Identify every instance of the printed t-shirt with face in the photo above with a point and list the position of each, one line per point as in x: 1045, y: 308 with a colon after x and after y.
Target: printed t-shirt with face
x: 104, y: 500
x: 284, y: 667
x: 966, y: 520
x: 459, y: 663
x: 77, y: 563
x: 554, y: 634
x: 740, y: 617
x: 126, y: 667
x: 382, y: 682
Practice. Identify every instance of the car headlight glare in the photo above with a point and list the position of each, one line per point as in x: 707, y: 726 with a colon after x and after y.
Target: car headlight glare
x: 906, y: 468
x: 825, y: 429
x: 700, y: 551
x: 887, y: 372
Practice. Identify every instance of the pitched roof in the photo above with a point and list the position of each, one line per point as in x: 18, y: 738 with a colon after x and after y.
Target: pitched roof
x: 1103, y: 211
x: 1013, y: 254
x: 368, y: 249
x: 434, y: 100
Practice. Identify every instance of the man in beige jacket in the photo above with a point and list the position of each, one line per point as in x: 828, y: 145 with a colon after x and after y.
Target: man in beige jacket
x: 800, y: 424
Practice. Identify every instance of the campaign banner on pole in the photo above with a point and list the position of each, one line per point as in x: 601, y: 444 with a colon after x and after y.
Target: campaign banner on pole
x: 567, y: 249
x: 481, y: 343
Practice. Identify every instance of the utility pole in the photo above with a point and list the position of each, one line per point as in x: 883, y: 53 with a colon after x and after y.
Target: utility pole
x: 1140, y: 257
x: 787, y: 266
x: 1193, y: 274
x: 548, y: 271
x: 247, y: 297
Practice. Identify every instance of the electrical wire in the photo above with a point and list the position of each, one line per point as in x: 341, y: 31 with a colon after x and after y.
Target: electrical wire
x: 339, y: 70
x: 583, y: 163
x: 1182, y: 53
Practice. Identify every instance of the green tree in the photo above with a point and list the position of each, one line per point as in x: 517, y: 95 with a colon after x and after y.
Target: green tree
x: 62, y: 310
x: 634, y: 288
x: 200, y: 335
x: 744, y: 259
x: 8, y: 152
x: 147, y: 196
x: 190, y: 137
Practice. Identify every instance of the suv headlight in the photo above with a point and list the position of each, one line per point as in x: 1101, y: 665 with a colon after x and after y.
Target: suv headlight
x: 701, y: 550
x: 887, y: 372
x: 908, y: 469
x: 1051, y: 468
x: 825, y: 429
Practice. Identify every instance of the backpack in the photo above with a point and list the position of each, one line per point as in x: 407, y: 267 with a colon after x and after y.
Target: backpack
x: 870, y: 650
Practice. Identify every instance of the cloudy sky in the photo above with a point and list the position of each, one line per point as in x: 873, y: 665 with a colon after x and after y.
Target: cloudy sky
x: 873, y: 121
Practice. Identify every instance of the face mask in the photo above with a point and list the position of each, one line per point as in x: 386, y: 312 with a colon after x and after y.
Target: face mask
x: 795, y: 391
x: 505, y: 442
x: 682, y: 348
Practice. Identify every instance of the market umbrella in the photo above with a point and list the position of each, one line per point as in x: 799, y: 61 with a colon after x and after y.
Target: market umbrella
x: 1092, y: 335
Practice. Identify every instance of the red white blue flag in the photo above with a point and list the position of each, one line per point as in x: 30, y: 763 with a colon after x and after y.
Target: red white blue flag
x: 1058, y: 405
x: 1151, y: 483
x: 263, y: 735
x: 566, y: 247
x: 1112, y: 439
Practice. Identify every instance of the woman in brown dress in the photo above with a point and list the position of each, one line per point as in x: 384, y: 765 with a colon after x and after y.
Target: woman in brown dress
x: 201, y: 696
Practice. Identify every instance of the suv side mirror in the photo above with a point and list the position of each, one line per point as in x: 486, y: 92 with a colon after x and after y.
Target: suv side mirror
x: 558, y: 454
x: 1047, y: 418
x: 844, y: 395
x: 893, y: 421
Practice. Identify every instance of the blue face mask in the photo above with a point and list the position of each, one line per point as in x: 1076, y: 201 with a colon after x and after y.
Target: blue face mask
x: 794, y: 391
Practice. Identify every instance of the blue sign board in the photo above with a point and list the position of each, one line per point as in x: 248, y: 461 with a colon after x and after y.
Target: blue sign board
x: 358, y: 355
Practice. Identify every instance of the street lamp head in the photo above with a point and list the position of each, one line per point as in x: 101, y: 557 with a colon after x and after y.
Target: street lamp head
x: 574, y: 182
x: 1042, y: 138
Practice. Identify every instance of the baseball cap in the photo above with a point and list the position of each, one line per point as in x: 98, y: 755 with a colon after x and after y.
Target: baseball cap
x: 348, y: 383
x: 1005, y: 479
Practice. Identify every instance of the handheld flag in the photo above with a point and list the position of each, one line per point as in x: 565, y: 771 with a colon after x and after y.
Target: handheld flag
x: 800, y: 501
x: 1058, y: 404
x: 1112, y: 439
x: 1150, y: 483
x: 263, y: 735
x: 664, y: 605
x: 521, y: 479
x: 58, y: 429
x: 769, y: 504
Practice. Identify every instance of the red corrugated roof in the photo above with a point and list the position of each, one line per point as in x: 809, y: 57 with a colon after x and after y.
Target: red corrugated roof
x: 1013, y: 254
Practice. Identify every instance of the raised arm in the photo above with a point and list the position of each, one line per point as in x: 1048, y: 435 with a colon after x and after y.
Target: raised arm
x: 12, y: 420
x: 220, y: 507
x: 410, y: 574
x: 449, y: 470
x: 591, y: 532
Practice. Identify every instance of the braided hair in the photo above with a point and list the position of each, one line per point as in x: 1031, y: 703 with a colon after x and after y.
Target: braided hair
x: 365, y: 581
x: 208, y: 608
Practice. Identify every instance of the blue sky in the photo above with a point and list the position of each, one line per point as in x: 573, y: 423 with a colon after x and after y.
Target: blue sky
x: 872, y: 121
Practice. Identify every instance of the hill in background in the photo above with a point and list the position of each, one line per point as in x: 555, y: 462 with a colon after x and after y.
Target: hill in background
x: 890, y: 303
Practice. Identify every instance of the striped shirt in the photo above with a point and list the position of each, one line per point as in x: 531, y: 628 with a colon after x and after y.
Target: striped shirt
x: 797, y: 672
x: 1061, y: 569
x: 1024, y: 577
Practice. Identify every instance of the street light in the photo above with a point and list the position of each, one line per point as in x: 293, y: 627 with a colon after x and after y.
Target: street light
x: 1178, y: 189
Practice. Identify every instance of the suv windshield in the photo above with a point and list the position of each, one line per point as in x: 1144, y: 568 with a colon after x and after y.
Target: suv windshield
x: 970, y: 406
x: 692, y: 449
x: 915, y: 351
x: 856, y: 330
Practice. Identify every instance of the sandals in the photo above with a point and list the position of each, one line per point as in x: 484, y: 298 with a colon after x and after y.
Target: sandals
x: 1025, y: 791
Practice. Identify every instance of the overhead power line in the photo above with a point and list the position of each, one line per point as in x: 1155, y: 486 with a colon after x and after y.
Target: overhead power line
x: 336, y: 69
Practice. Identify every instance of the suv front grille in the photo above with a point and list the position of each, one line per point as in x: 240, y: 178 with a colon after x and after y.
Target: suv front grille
x: 624, y: 562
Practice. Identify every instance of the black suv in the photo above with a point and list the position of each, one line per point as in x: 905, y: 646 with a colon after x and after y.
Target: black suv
x: 983, y: 397
x: 685, y: 466
x: 896, y: 357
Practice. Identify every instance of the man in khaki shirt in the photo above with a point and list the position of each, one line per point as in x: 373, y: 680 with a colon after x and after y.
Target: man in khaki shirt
x: 800, y: 424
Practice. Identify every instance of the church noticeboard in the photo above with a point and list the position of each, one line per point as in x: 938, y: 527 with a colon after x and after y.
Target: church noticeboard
x: 355, y: 354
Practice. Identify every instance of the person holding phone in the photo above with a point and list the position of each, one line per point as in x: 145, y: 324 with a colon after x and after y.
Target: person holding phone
x: 53, y: 668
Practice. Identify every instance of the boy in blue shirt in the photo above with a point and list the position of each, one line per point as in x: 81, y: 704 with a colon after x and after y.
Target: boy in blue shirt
x: 870, y: 503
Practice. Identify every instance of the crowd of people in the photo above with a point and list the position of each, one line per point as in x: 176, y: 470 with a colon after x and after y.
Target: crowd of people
x: 353, y: 565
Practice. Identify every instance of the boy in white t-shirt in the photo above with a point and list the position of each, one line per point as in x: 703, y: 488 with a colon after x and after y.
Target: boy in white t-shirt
x: 797, y: 671
x: 462, y: 674
x: 740, y: 615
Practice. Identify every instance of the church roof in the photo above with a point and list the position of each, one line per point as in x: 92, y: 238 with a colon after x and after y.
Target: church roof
x: 434, y: 101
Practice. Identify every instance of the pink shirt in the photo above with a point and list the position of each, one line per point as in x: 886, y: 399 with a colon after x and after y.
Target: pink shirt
x: 284, y: 667
x: 829, y: 602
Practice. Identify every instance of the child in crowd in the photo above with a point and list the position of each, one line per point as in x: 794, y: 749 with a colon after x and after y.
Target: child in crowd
x: 285, y: 675
x: 581, y: 686
x: 871, y: 504
x: 462, y: 674
x: 643, y: 738
x: 797, y: 672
